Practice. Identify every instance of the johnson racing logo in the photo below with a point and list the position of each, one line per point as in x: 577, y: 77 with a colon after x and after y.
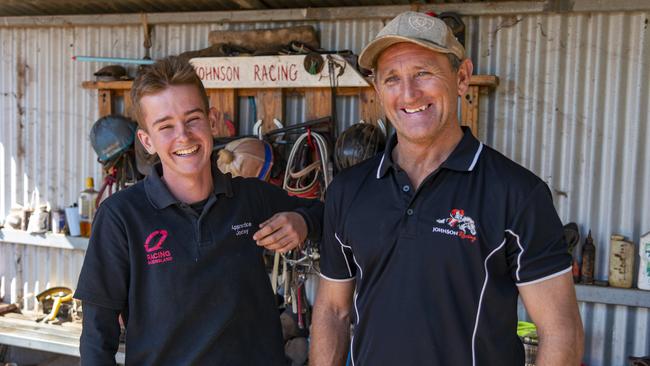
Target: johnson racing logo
x: 461, y: 226
x: 153, y: 246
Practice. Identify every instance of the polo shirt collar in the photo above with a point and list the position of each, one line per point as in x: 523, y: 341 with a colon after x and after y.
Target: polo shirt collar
x: 160, y: 196
x: 463, y: 158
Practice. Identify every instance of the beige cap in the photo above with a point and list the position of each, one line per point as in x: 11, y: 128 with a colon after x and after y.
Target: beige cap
x: 419, y: 28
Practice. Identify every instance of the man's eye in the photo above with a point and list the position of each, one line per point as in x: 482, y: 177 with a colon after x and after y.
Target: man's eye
x: 423, y: 73
x: 165, y: 127
x: 391, y: 80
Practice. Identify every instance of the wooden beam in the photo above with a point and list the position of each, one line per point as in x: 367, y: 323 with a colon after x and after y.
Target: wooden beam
x: 105, y: 99
x: 491, y: 81
x: 114, y: 85
x: 469, y: 109
x: 127, y: 103
x: 332, y: 14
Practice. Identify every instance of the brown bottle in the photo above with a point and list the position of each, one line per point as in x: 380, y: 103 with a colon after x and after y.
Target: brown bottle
x: 588, y: 260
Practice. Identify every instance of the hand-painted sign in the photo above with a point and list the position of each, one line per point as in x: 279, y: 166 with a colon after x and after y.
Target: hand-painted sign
x: 272, y: 72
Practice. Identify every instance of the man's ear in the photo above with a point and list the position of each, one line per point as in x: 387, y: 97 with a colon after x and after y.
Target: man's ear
x: 213, y: 119
x: 145, y: 140
x: 463, y: 76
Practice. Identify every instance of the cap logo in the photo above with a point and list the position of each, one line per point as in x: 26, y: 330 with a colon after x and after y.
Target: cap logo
x: 420, y: 23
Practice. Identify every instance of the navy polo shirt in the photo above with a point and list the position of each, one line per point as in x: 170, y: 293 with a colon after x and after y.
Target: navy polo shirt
x: 193, y: 286
x: 437, y: 268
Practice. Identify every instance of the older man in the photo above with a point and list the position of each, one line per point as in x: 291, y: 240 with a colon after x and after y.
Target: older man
x: 431, y: 272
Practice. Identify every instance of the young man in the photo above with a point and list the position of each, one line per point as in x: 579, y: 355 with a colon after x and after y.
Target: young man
x: 431, y: 272
x: 179, y: 254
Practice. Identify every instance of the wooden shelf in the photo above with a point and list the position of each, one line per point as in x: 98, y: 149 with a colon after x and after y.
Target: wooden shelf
x: 46, y: 240
x: 613, y: 296
x: 22, y: 331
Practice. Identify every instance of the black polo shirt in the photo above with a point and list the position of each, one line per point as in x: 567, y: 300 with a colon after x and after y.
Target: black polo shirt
x: 437, y: 268
x: 194, y: 286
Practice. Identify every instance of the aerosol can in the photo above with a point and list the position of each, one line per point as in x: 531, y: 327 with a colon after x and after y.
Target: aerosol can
x: 644, y: 262
x: 621, y: 262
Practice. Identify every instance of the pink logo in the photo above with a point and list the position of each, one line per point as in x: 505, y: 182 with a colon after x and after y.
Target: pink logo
x: 160, y: 256
x: 158, y: 245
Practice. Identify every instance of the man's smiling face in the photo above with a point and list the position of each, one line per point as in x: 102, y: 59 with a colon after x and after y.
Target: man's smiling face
x: 418, y: 90
x: 178, y: 129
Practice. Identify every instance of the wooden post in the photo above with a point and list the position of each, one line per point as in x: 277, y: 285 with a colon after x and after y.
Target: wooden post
x: 105, y: 98
x: 469, y: 109
x: 225, y: 101
x: 270, y: 104
x: 319, y: 103
x: 127, y: 103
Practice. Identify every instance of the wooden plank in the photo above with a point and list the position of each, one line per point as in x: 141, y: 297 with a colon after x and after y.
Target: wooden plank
x: 121, y: 85
x: 384, y: 12
x: 484, y: 80
x: 270, y: 104
x: 370, y: 108
x: 319, y: 103
x: 281, y: 71
x: 126, y: 94
x: 20, y: 331
x: 225, y: 101
x: 105, y: 99
x: 47, y: 240
x: 469, y: 109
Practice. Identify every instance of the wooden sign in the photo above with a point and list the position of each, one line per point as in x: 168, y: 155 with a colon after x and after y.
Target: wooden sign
x: 272, y: 72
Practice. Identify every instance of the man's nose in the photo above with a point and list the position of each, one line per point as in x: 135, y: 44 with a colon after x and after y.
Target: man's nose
x: 410, y: 90
x: 183, y: 132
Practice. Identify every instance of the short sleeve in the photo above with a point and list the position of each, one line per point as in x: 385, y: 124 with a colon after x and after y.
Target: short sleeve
x: 104, y: 275
x: 337, y: 260
x: 536, y: 246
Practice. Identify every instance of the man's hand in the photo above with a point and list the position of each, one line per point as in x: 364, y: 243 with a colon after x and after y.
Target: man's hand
x: 282, y: 232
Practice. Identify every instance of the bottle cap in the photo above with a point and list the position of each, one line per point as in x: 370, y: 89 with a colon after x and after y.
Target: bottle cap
x: 90, y: 183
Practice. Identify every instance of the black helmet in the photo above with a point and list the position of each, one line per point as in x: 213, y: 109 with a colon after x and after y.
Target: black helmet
x: 357, y: 143
x: 112, y: 135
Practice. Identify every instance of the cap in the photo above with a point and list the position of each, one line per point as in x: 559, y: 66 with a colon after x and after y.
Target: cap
x: 419, y: 28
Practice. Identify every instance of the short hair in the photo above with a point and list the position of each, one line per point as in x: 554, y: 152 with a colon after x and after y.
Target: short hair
x: 454, y: 61
x: 152, y: 79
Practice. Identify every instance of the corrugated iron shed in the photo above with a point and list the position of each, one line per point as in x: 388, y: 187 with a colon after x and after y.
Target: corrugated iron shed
x: 572, y: 106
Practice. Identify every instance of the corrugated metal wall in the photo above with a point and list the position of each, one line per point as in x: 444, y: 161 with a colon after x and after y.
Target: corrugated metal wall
x: 572, y: 106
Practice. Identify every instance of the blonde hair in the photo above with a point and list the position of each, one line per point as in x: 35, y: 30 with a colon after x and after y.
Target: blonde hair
x: 153, y: 79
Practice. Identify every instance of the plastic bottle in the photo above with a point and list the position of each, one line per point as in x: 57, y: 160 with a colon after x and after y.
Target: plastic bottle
x: 621, y: 262
x: 87, y: 207
x: 644, y: 262
x: 588, y: 260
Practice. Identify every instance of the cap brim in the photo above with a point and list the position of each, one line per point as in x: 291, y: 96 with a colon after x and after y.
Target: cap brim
x: 370, y: 53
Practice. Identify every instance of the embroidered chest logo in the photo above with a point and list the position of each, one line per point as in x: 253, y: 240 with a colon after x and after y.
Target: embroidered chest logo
x: 241, y: 229
x: 153, y: 246
x: 463, y: 226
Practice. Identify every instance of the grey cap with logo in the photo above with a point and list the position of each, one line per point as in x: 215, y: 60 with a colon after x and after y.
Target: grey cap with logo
x: 419, y: 28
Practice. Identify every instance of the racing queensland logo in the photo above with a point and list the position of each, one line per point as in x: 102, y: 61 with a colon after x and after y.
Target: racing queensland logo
x: 154, y: 248
x: 461, y: 226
